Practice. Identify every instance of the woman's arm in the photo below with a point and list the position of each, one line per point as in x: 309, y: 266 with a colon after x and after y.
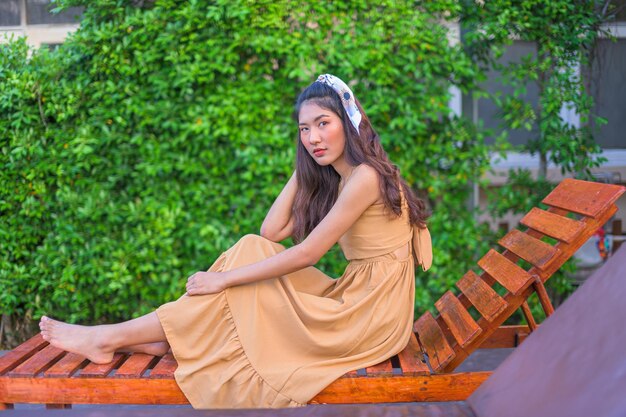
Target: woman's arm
x: 278, y: 223
x: 358, y: 194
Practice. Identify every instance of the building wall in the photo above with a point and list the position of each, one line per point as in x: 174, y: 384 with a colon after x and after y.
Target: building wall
x: 612, y: 172
x: 33, y: 19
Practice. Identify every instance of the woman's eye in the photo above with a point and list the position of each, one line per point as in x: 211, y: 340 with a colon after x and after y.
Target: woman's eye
x: 304, y: 129
x: 323, y: 123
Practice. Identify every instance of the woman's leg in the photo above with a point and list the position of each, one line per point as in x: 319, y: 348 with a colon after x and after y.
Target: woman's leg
x: 156, y: 348
x: 99, y: 343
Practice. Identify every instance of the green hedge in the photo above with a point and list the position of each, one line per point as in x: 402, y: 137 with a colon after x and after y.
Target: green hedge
x: 156, y: 136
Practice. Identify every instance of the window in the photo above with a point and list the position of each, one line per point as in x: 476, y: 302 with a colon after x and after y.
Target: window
x: 38, y: 12
x: 51, y: 46
x: 608, y: 88
x: 490, y: 113
x: 619, y: 10
x: 10, y: 12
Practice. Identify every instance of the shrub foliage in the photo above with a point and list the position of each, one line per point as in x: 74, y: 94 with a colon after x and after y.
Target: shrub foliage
x: 161, y: 132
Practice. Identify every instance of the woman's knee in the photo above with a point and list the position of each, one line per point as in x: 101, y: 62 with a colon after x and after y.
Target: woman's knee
x: 252, y: 239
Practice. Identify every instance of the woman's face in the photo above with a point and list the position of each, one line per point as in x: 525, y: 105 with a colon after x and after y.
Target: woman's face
x: 321, y: 133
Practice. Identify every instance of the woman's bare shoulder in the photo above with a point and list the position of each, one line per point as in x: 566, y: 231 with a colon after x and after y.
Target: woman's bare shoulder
x: 365, y: 171
x: 366, y: 179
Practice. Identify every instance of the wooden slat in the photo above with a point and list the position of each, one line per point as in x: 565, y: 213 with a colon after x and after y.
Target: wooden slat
x: 134, y: 366
x: 444, y: 387
x: 433, y: 341
x: 40, y: 361
x: 165, y: 368
x: 583, y: 197
x: 65, y: 367
x: 509, y: 275
x: 488, y: 303
x: 532, y: 250
x: 24, y: 351
x: 411, y: 359
x: 553, y: 225
x: 383, y: 368
x: 91, y: 391
x: 94, y: 370
x: 461, y: 324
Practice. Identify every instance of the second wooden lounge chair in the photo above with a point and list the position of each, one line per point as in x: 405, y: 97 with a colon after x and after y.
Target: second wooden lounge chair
x: 36, y: 372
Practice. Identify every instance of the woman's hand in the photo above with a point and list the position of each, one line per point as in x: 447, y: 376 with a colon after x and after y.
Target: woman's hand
x: 202, y: 283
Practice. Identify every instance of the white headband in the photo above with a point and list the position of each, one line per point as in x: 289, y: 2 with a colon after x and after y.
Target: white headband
x: 346, y: 95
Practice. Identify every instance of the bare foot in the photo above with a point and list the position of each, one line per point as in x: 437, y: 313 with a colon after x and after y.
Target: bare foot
x: 82, y: 340
x: 155, y: 349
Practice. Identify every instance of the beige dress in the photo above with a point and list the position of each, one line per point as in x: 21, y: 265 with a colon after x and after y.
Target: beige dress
x: 278, y: 342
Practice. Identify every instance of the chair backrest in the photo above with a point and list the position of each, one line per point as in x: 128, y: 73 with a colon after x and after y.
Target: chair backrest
x: 574, y: 364
x: 447, y: 339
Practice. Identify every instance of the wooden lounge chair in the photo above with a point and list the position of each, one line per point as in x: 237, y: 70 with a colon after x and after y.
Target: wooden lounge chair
x: 573, y: 365
x: 36, y: 372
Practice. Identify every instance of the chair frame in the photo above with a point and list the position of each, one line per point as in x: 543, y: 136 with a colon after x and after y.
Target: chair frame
x: 36, y: 372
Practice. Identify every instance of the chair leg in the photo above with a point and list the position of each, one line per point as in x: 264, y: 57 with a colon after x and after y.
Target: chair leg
x: 58, y: 406
x: 543, y: 296
x: 532, y: 324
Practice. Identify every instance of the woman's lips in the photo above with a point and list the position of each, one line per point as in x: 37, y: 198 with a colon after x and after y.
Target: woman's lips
x: 319, y: 152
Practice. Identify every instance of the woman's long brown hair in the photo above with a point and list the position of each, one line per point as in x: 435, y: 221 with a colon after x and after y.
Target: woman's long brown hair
x: 318, y: 186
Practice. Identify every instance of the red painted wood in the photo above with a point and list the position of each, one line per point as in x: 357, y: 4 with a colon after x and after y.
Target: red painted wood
x: 583, y: 197
x: 461, y: 324
x: 509, y: 275
x: 506, y: 337
x: 553, y: 225
x: 412, y: 359
x: 534, y: 251
x: 433, y: 341
x: 65, y: 367
x: 449, y: 387
x: 383, y: 368
x: 94, y: 370
x: 544, y: 299
x: 40, y: 361
x: 591, y: 225
x: 445, y: 387
x: 90, y: 391
x: 135, y: 366
x: 488, y: 303
x: 165, y: 368
x: 24, y: 351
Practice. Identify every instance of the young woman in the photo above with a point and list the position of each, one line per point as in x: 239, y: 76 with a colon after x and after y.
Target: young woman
x: 263, y: 327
